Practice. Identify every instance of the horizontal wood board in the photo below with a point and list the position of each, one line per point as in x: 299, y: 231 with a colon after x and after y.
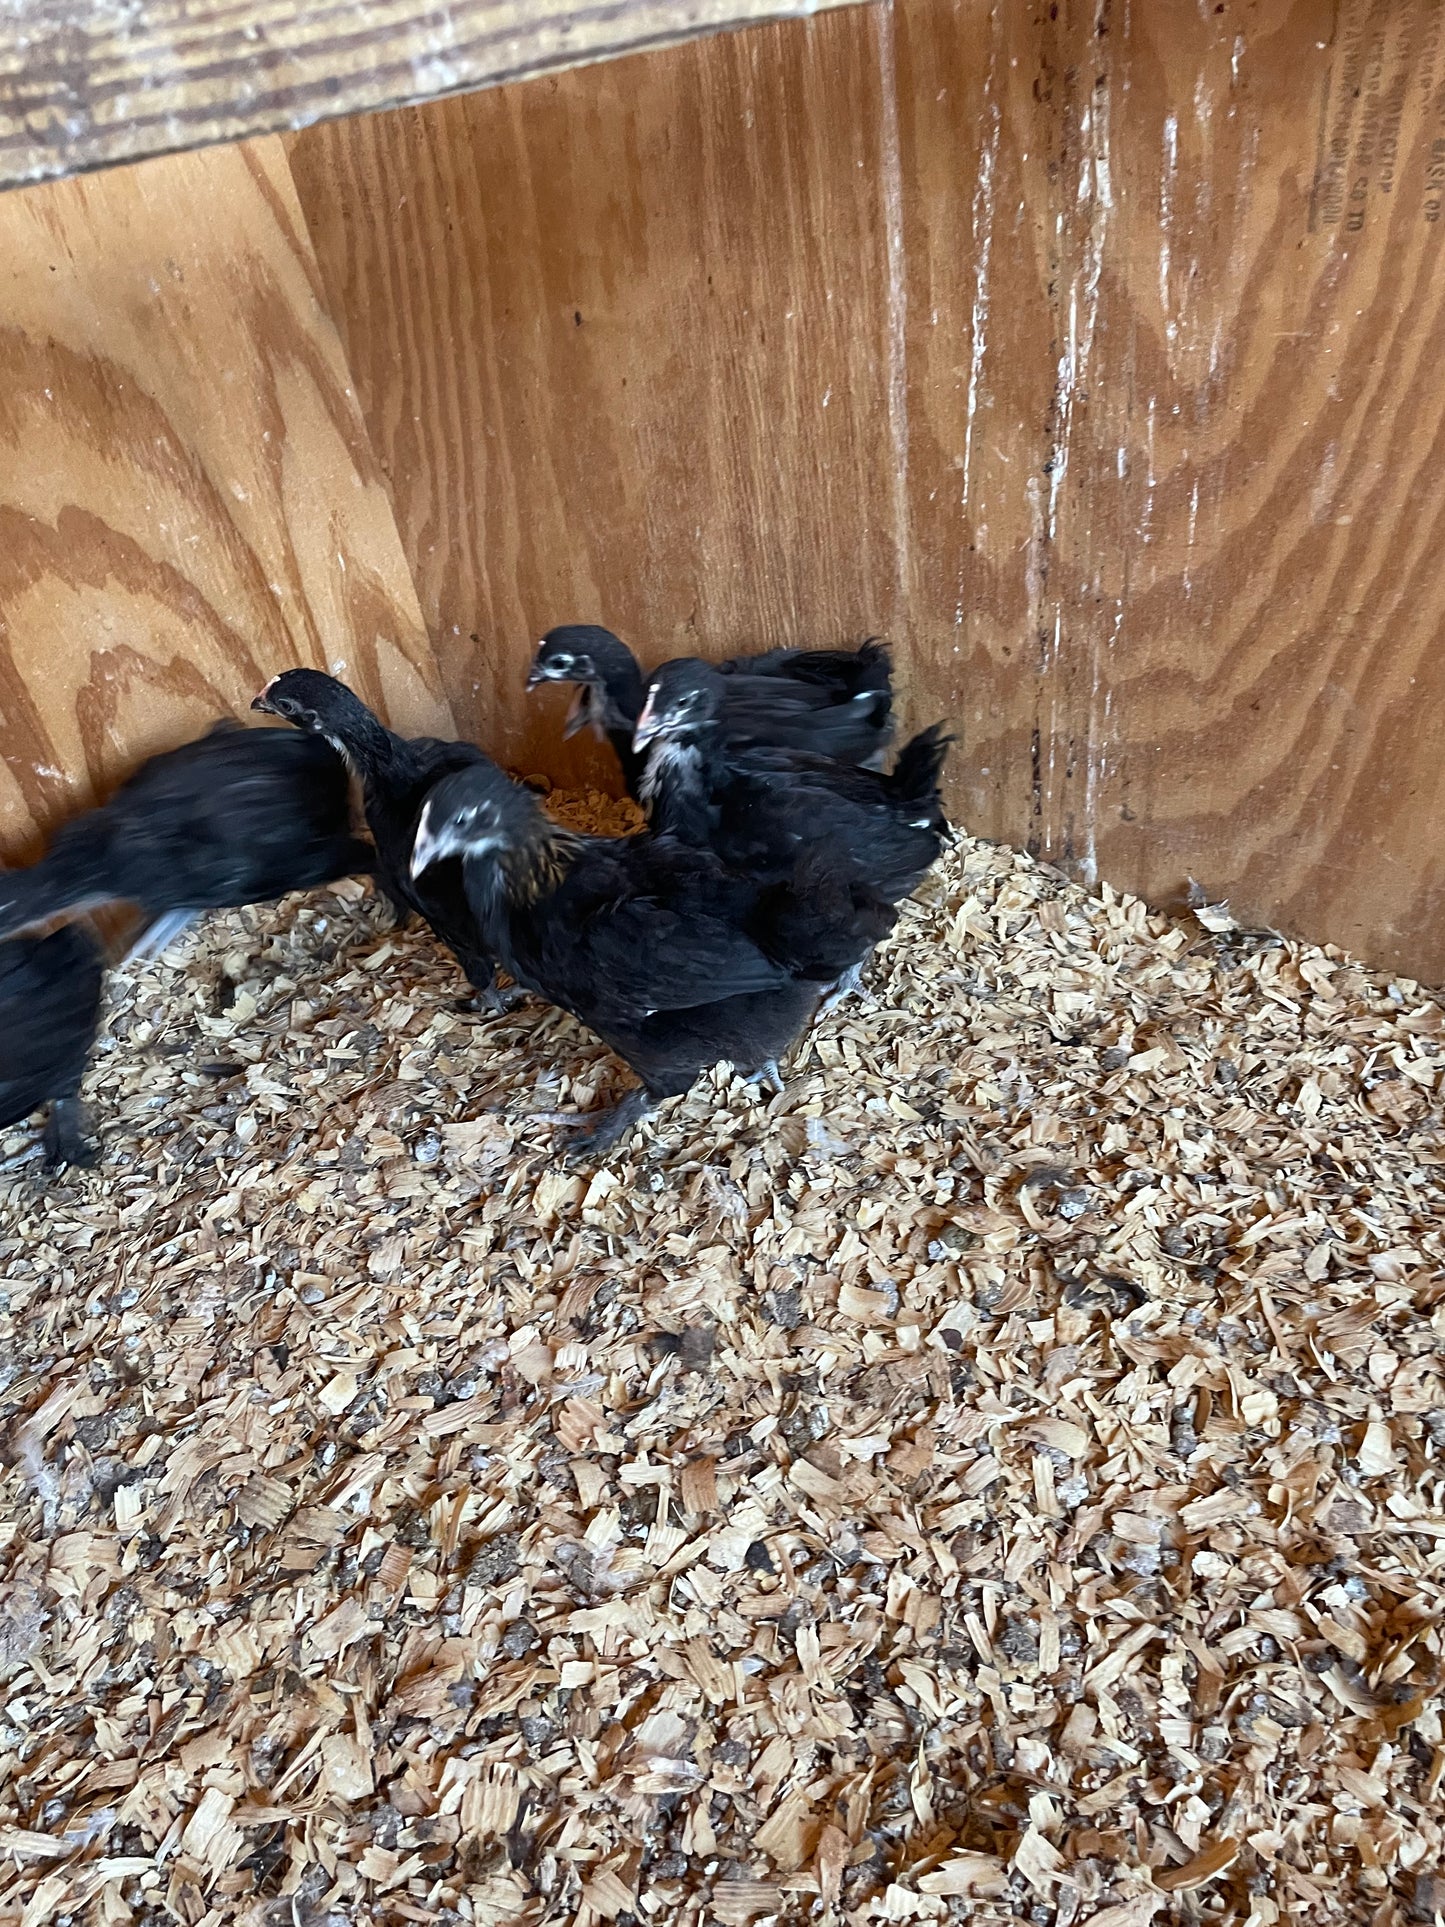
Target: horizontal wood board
x: 88, y: 83
x: 188, y: 500
x: 1087, y: 351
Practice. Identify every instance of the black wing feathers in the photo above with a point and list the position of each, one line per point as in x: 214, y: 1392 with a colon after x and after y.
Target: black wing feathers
x: 238, y: 816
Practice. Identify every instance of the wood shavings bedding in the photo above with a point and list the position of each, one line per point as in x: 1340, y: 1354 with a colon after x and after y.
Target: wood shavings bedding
x: 998, y: 1480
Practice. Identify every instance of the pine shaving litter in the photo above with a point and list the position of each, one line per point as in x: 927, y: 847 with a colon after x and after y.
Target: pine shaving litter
x: 997, y: 1480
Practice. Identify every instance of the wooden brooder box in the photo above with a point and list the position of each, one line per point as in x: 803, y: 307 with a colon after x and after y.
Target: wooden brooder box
x: 997, y: 1478
x: 1089, y: 352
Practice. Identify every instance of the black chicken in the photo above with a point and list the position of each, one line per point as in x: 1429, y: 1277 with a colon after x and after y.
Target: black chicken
x: 49, y: 1008
x: 836, y: 702
x: 760, y: 809
x: 652, y: 945
x: 397, y: 774
x: 238, y: 816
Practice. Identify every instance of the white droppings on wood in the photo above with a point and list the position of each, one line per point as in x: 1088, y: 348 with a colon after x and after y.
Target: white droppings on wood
x: 1167, y: 175
x: 983, y: 218
x: 1146, y: 515
x: 1189, y: 537
x: 1323, y: 495
x: 1097, y: 193
x: 891, y: 169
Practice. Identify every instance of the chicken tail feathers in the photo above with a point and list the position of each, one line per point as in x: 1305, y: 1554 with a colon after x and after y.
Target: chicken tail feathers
x: 919, y: 768
x: 875, y: 667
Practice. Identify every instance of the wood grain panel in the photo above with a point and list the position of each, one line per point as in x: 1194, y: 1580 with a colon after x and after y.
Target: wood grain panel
x: 623, y: 338
x: 1255, y: 527
x: 188, y: 499
x: 85, y: 86
x: 1085, y: 349
x: 1216, y: 483
x: 979, y: 269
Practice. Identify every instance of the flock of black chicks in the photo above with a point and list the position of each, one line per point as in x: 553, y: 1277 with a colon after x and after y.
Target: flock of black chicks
x: 776, y: 853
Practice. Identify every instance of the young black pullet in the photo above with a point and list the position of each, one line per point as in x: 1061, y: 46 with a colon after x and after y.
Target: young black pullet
x: 763, y: 810
x: 639, y: 937
x: 49, y: 1008
x: 238, y: 816
x: 834, y: 702
x: 397, y: 774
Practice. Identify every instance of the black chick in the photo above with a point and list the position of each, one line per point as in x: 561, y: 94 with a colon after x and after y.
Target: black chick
x: 397, y: 774
x: 49, y: 1009
x: 639, y: 937
x: 836, y: 702
x: 238, y: 816
x: 757, y: 807
x: 610, y: 688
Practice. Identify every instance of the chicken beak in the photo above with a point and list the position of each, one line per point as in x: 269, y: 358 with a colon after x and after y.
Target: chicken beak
x: 536, y: 675
x: 262, y: 703
x: 430, y: 847
x: 649, y: 724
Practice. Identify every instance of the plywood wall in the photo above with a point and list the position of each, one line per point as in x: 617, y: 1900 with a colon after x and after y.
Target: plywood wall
x: 1091, y: 351
x: 625, y: 340
x: 188, y: 499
